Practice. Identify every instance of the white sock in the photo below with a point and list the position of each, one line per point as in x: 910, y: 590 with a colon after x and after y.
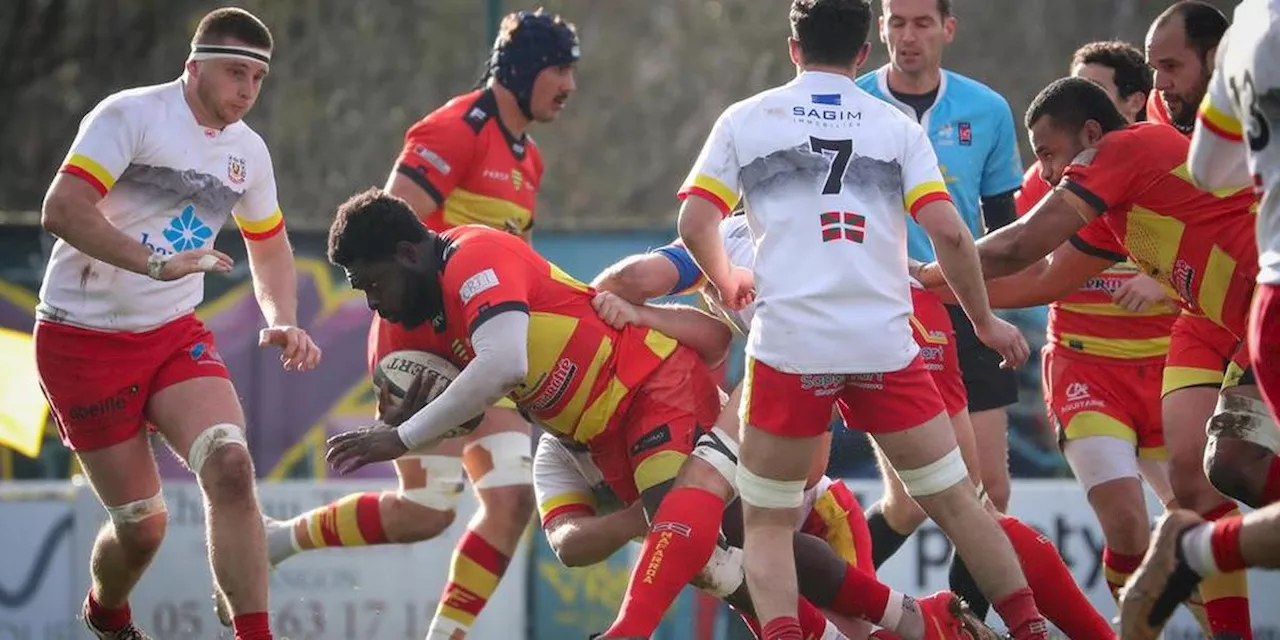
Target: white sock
x: 443, y: 628
x: 1197, y: 549
x: 892, y: 611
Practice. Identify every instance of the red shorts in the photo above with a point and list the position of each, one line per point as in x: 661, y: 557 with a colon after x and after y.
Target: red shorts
x: 837, y: 518
x: 1264, y: 337
x: 1087, y: 398
x: 798, y: 405
x: 656, y: 431
x: 931, y: 325
x: 98, y: 382
x: 1199, y: 352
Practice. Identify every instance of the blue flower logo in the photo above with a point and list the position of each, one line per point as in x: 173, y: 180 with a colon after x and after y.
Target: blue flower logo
x: 186, y: 231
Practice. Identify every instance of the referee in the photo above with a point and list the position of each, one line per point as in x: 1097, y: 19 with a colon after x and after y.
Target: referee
x: 972, y: 131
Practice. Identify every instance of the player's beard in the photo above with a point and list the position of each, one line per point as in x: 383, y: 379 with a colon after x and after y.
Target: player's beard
x: 423, y: 301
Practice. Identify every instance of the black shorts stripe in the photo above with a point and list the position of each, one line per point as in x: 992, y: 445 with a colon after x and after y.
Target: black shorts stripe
x: 489, y: 312
x: 421, y: 180
x: 1084, y: 247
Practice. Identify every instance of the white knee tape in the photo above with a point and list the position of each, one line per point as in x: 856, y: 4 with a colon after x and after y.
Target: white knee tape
x: 444, y: 483
x: 1244, y: 418
x: 1099, y: 459
x: 210, y: 440
x: 723, y: 573
x: 935, y: 477
x: 511, y: 452
x: 719, y: 450
x: 138, y: 510
x: 766, y: 493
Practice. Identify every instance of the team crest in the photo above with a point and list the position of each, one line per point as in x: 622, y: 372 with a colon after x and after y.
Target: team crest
x: 235, y: 170
x: 516, y: 179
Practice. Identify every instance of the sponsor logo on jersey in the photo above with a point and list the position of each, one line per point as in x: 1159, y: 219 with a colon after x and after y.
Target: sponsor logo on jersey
x: 478, y: 283
x: 494, y: 174
x: 932, y: 353
x: 236, y: 171
x: 553, y: 387
x: 205, y: 353
x: 869, y: 381
x: 432, y: 159
x: 822, y: 384
x: 1077, y: 391
x: 1182, y: 278
x: 966, y: 133
x: 826, y: 115
x: 825, y: 98
x: 184, y: 232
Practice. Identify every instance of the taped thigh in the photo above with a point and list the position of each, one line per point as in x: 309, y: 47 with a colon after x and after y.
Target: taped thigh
x: 443, y: 485
x: 1099, y: 459
x: 767, y: 493
x: 935, y: 477
x: 1240, y: 417
x: 138, y: 510
x: 500, y: 460
x: 212, y: 439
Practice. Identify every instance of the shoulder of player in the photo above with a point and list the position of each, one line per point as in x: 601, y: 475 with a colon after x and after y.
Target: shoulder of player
x: 458, y: 117
x: 479, y: 240
x: 975, y: 98
x: 138, y: 102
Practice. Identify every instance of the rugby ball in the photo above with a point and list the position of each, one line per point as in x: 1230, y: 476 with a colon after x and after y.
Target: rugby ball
x: 396, y: 370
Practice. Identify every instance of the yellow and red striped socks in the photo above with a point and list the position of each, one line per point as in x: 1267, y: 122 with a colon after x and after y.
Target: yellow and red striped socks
x: 474, y: 573
x: 1118, y: 567
x: 1226, y: 592
x: 353, y: 521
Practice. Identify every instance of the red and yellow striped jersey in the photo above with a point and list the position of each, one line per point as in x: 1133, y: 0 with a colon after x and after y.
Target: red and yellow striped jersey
x: 1087, y: 322
x: 581, y: 371
x: 1199, y: 244
x: 467, y: 161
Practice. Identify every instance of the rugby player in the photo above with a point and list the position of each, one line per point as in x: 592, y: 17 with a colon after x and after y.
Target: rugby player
x: 153, y: 174
x: 669, y: 270
x: 804, y: 354
x: 635, y: 397
x: 1132, y: 176
x: 1231, y: 147
x: 973, y: 134
x: 1104, y: 359
x: 468, y: 162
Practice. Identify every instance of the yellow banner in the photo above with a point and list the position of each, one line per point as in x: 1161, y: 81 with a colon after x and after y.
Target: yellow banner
x: 23, y: 410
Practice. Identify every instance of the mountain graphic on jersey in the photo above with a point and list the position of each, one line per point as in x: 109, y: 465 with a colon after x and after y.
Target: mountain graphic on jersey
x: 870, y: 180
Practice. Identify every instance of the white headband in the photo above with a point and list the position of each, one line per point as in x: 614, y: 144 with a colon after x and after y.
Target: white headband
x: 211, y: 51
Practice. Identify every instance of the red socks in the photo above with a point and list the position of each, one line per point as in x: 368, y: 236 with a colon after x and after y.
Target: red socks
x: 862, y: 596
x: 252, y: 626
x: 783, y: 629
x: 1226, y: 593
x: 679, y: 543
x: 1056, y: 594
x: 104, y: 619
x: 1018, y: 610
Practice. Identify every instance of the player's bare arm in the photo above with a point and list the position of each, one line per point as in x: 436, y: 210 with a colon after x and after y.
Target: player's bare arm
x: 500, y: 364
x: 70, y: 211
x: 958, y: 260
x: 579, y: 540
x: 1049, y: 279
x: 691, y: 327
x: 419, y: 200
x: 700, y: 231
x: 638, y: 278
x: 275, y: 285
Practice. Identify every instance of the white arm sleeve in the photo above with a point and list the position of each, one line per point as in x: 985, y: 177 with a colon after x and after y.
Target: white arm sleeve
x: 502, y: 359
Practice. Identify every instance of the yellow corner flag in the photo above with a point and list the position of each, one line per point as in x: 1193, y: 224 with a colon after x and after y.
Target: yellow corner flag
x: 23, y: 410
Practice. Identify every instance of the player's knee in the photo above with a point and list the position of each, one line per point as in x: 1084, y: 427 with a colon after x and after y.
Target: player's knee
x: 935, y: 477
x: 509, y: 507
x: 139, y: 526
x: 998, y: 491
x: 1125, y: 526
x: 1235, y: 467
x: 407, y: 521
x: 766, y: 493
x: 219, y: 457
x: 227, y: 476
x: 698, y: 472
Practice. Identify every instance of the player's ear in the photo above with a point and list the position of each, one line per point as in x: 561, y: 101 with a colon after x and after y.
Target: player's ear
x: 948, y: 29
x: 407, y: 254
x: 1134, y: 103
x: 793, y: 48
x: 1092, y: 132
x: 863, y: 53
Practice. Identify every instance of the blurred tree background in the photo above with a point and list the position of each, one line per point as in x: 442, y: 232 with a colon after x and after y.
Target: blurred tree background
x: 348, y: 77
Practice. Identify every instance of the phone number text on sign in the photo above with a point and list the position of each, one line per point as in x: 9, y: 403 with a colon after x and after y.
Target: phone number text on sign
x: 298, y: 620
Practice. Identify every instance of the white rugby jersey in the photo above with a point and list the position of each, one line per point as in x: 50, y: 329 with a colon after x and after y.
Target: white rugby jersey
x: 742, y: 253
x: 1242, y: 107
x: 827, y: 174
x: 170, y: 184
